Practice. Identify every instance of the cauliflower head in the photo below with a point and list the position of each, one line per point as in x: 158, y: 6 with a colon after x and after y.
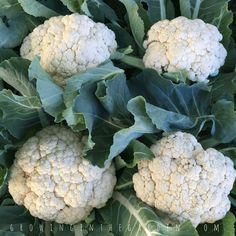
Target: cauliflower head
x: 53, y: 181
x: 185, y: 181
x: 69, y: 44
x: 184, y: 44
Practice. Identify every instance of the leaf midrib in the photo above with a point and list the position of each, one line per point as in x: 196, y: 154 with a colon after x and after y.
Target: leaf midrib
x: 123, y: 201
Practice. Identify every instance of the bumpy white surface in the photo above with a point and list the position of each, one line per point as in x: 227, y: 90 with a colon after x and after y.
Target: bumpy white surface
x: 184, y: 44
x: 185, y: 181
x: 69, y: 44
x: 51, y: 179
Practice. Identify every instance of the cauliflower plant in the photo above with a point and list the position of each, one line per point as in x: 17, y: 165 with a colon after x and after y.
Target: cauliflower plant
x: 185, y: 181
x: 184, y: 44
x: 53, y: 181
x: 69, y: 44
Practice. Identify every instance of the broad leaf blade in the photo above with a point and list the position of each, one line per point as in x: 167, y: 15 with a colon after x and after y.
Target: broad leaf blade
x: 230, y: 61
x: 15, y: 73
x: 3, y: 173
x: 114, y: 95
x: 12, y: 218
x: 73, y: 5
x: 5, y: 138
x: 51, y: 95
x: 14, y: 23
x: 104, y: 71
x: 177, y: 98
x: 135, y: 21
x: 98, y: 122
x: 13, y: 35
x: 17, y: 113
x: 223, y: 86
x: 229, y: 224
x: 35, y: 8
x: 6, y: 158
x: 225, y: 120
x: 99, y: 10
x: 142, y: 125
x: 109, y: 118
x: 3, y: 178
x: 6, y: 54
x: 92, y: 75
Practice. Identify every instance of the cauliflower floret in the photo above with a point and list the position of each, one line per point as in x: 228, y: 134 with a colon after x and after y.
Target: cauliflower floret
x: 185, y: 181
x: 184, y: 44
x: 69, y: 44
x: 54, y: 182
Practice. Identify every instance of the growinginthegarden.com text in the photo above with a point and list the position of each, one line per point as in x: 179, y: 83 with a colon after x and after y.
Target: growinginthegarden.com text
x: 103, y: 228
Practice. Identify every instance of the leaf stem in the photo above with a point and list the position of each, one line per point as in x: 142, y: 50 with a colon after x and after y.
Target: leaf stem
x: 133, y: 61
x: 228, y: 149
x: 124, y: 186
x: 47, y: 228
x: 163, y: 9
x: 196, y: 9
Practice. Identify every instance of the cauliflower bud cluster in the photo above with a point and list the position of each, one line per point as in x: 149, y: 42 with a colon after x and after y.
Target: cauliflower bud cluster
x: 185, y: 181
x: 52, y: 180
x: 69, y: 44
x: 184, y: 44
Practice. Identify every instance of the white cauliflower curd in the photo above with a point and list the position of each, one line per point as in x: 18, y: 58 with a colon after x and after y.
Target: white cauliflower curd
x: 184, y: 44
x: 69, y: 44
x: 185, y: 181
x: 53, y: 181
